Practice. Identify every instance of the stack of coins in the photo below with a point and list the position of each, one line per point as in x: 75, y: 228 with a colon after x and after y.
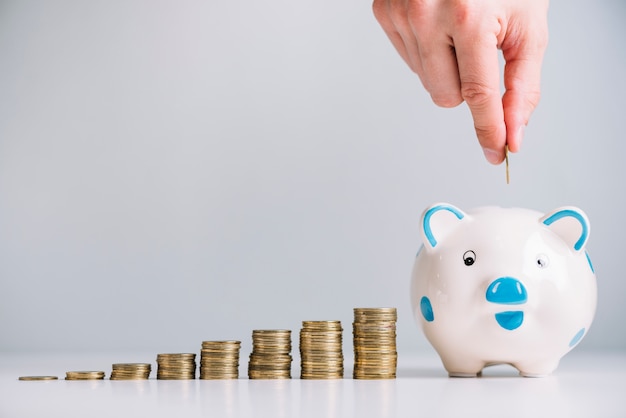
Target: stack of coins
x: 320, y: 350
x: 179, y: 366
x: 271, y: 355
x: 131, y: 371
x: 375, y: 355
x: 219, y: 360
x: 84, y: 375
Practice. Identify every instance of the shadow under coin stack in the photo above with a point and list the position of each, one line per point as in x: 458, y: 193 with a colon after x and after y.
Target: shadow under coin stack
x: 219, y: 360
x: 84, y: 375
x: 271, y: 355
x: 131, y: 371
x: 320, y: 350
x: 177, y: 366
x: 375, y: 355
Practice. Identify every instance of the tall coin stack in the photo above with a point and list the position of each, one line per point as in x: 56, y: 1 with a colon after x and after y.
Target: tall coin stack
x: 178, y: 366
x: 270, y: 357
x: 320, y: 350
x: 219, y: 360
x: 375, y: 355
x: 131, y: 371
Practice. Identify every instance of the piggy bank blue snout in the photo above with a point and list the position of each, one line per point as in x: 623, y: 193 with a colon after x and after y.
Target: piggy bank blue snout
x: 506, y: 291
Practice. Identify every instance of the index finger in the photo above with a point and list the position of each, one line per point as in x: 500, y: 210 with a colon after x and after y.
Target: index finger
x: 479, y: 72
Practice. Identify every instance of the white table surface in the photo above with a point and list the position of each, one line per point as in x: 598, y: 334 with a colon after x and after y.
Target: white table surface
x: 586, y: 384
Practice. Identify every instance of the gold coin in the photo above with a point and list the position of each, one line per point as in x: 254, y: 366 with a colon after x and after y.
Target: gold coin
x: 206, y: 367
x: 270, y: 347
x: 319, y: 364
x: 375, y: 314
x: 175, y: 372
x: 322, y: 372
x: 324, y: 363
x: 375, y: 371
x: 216, y: 358
x: 271, y: 331
x: 363, y: 355
x: 322, y: 366
x: 132, y: 366
x: 218, y: 353
x: 321, y: 357
x: 376, y: 336
x: 221, y: 345
x: 167, y: 356
x: 220, y: 372
x: 215, y: 362
x: 378, y: 325
x: 375, y: 311
x: 376, y: 366
x: 319, y: 339
x: 259, y: 365
x: 175, y: 361
x: 234, y: 372
x: 271, y: 343
x: 269, y: 372
x: 31, y: 378
x: 321, y: 324
x: 374, y: 376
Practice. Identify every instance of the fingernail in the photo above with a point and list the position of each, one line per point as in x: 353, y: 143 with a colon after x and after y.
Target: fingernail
x: 492, y: 156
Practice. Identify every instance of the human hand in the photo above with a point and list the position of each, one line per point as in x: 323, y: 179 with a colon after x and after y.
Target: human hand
x: 453, y: 45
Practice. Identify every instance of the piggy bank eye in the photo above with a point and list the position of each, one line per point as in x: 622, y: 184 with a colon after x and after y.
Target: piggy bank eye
x: 469, y: 257
x: 542, y: 261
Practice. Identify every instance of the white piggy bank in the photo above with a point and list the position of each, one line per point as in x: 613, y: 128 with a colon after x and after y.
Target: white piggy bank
x: 503, y: 286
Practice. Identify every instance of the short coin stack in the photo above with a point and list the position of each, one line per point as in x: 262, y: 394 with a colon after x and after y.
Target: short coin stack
x: 320, y: 350
x: 375, y: 355
x: 84, y: 375
x: 177, y: 366
x: 131, y: 371
x: 271, y: 355
x: 219, y: 360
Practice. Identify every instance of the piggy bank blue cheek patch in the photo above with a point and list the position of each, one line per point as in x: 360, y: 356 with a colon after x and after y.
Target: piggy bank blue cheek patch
x: 427, y: 309
x: 577, y: 337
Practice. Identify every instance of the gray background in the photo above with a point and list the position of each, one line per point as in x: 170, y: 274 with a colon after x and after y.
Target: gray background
x: 177, y: 171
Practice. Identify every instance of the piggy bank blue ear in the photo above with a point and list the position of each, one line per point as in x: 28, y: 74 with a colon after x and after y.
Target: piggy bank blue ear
x: 438, y: 221
x: 569, y: 223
